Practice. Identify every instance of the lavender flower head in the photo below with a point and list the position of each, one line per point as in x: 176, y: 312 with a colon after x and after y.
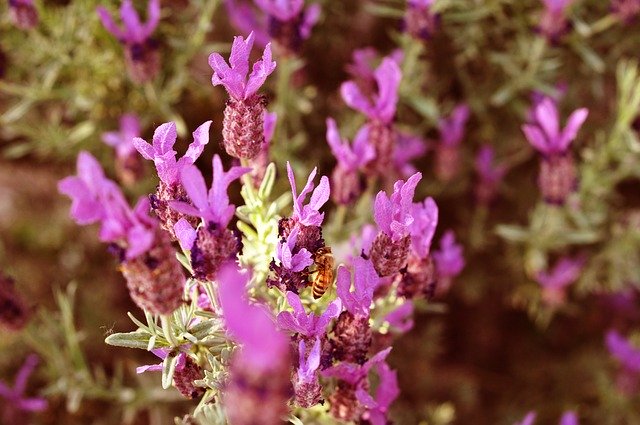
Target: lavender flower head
x: 420, y: 21
x: 128, y: 164
x: 141, y: 51
x: 386, y: 393
x: 306, y: 324
x: 449, y: 258
x: 16, y: 404
x: 366, y: 280
x: 289, y: 24
x: 423, y: 227
x: 622, y: 350
x: 308, y: 391
x: 626, y: 10
x: 243, y: 15
x: 489, y: 175
x: 309, y: 214
x: 554, y: 282
x: 452, y: 128
x: 408, y: 148
x: 401, y: 319
x: 569, y: 418
x: 243, y: 124
x: 23, y: 14
x: 553, y: 22
x: 347, y: 182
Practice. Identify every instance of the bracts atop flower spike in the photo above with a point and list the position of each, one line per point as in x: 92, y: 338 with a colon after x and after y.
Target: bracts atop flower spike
x: 419, y: 20
x: 347, y: 182
x: 154, y: 276
x: 557, y: 178
x: 128, y: 162
x: 168, y: 168
x: 23, y: 14
x: 141, y: 51
x: 553, y: 23
x: 628, y: 355
x: 449, y: 261
x: 243, y: 124
x: 300, y: 235
x: 555, y: 282
x: 451, y: 129
x: 212, y: 243
x: 258, y: 387
x: 289, y: 23
x: 380, y: 110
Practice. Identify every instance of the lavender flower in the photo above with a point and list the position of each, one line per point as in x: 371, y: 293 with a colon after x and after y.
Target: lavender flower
x: 308, y: 391
x: 309, y: 325
x: 553, y: 22
x: 128, y: 165
x: 420, y: 21
x: 141, y: 51
x: 169, y: 169
x: 393, y: 217
x: 626, y: 10
x: 23, y: 14
x: 243, y: 124
x: 401, y: 319
x: 569, y: 418
x: 363, y: 65
x: 16, y: 404
x: 557, y: 177
x: 408, y: 148
x: 244, y: 16
x: 347, y: 182
x: 309, y: 214
x: 213, y: 243
x: 14, y: 313
x: 489, y: 175
x: 289, y: 24
x: 622, y: 350
x: 451, y: 129
x: 554, y: 283
x: 366, y: 280
x: 529, y: 419
x: 258, y: 386
x: 186, y: 371
x: 387, y: 392
x: 284, y: 253
x: 449, y: 259
x: 380, y: 109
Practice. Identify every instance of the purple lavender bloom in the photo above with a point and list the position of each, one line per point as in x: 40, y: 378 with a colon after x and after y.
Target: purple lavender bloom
x: 401, y: 319
x: 452, y: 127
x: 366, y: 280
x: 350, y: 158
x: 554, y: 283
x: 307, y: 367
x: 122, y: 140
x: 382, y: 106
x: 161, y: 353
x: 23, y: 14
x: 308, y: 215
x: 545, y: 134
x: 214, y: 206
x: 307, y: 325
x: 423, y: 226
x: 553, y: 22
x: 134, y: 32
x: 96, y: 198
x: 387, y: 392
x: 363, y: 61
x: 284, y: 10
x: 488, y: 171
x: 163, y: 155
x: 620, y: 348
x: 353, y: 373
x: 234, y: 76
x: 245, y: 18
x: 394, y: 215
x: 626, y: 10
x: 289, y: 24
x: 529, y: 419
x: 419, y: 20
x: 408, y: 148
x: 569, y: 418
x: 16, y: 403
x: 185, y: 233
x: 249, y: 325
x: 294, y: 262
x: 449, y: 258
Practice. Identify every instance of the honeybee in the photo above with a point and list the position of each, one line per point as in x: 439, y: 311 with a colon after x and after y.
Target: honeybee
x: 323, y: 274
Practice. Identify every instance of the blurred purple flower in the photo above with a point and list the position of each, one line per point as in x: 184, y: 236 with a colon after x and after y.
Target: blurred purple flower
x: 354, y: 373
x: 419, y: 20
x: 309, y: 215
x: 245, y: 18
x: 401, y: 319
x: 235, y: 77
x: 622, y: 350
x: 545, y: 134
x: 162, y: 354
x: 529, y: 419
x: 249, y: 325
x: 294, y: 262
x: 569, y: 418
x: 386, y: 393
x: 163, y: 155
x: 307, y: 367
x: 366, y: 280
x: 489, y: 172
x: 423, y: 227
x: 382, y: 106
x: 452, y: 127
x: 407, y: 149
x: 564, y: 273
x: 393, y: 215
x: 449, y: 258
x: 213, y: 206
x: 307, y: 325
x: 122, y: 140
x: 134, y: 32
x: 626, y: 10
x: 350, y: 158
x: 23, y: 14
x: 553, y: 22
x: 16, y: 403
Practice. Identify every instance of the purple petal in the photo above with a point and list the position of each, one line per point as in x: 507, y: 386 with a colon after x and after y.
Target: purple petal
x: 153, y: 18
x: 309, y: 19
x: 196, y: 188
x: 32, y: 404
x: 365, y: 399
x: 146, y: 150
x: 546, y: 114
x: 185, y: 233
x: 149, y: 368
x: 164, y: 137
x: 354, y: 98
x: 575, y: 121
x: 537, y: 138
x: 320, y: 195
x: 200, y: 140
x: 569, y: 418
x: 131, y: 20
x: 109, y: 24
x: 184, y: 208
x: 25, y: 371
x: 388, y: 76
x: 270, y: 119
x: 239, y: 57
x: 261, y: 70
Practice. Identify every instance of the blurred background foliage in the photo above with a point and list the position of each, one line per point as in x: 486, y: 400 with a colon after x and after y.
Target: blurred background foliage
x: 486, y: 352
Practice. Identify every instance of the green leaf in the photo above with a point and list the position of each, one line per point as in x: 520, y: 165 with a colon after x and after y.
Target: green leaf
x: 130, y: 340
x: 205, y: 328
x: 168, y: 369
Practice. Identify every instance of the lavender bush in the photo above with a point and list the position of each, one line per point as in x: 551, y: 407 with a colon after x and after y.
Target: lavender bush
x: 408, y: 212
